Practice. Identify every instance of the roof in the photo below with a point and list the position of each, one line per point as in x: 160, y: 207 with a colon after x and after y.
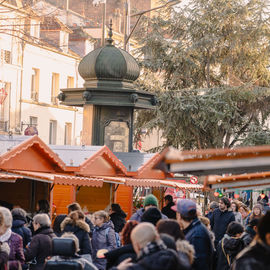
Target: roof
x: 74, y: 156
x: 6, y: 178
x: 133, y: 161
x: 218, y: 161
x: 38, y: 149
x: 60, y: 179
x: 8, y: 142
x: 243, y: 181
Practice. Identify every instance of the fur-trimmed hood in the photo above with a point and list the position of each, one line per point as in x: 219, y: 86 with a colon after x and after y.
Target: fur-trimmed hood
x: 79, y: 223
x: 186, y: 248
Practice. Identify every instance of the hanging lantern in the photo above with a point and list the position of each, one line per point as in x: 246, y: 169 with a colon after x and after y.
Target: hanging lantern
x: 236, y: 196
x: 3, y: 95
x: 216, y: 194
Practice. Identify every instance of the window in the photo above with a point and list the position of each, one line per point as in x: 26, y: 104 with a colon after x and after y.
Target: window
x: 35, y: 29
x: 52, y: 132
x: 35, y: 84
x: 33, y: 121
x: 70, y: 82
x: 5, y: 106
x: 68, y: 130
x: 55, y: 88
x: 5, y: 57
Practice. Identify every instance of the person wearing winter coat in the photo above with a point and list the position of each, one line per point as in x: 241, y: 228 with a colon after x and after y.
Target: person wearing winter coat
x: 86, y: 265
x: 185, y: 250
x: 256, y: 256
x: 116, y: 256
x: 57, y: 224
x: 16, y: 257
x: 149, y: 201
x: 196, y: 234
x: 237, y: 214
x: 19, y: 225
x: 74, y: 207
x: 103, y: 238
x: 117, y: 216
x: 250, y: 231
x: 166, y: 210
x: 229, y: 246
x: 40, y: 246
x: 221, y: 218
x: 152, y: 253
x: 75, y: 223
x: 4, y: 253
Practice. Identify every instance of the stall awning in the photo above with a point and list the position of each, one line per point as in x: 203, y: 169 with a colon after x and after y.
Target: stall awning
x: 6, y: 178
x: 218, y: 161
x: 243, y: 181
x: 138, y: 182
x: 60, y: 179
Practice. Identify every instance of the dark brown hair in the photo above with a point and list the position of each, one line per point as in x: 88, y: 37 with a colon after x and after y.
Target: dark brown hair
x: 73, y: 207
x: 170, y: 227
x: 126, y: 231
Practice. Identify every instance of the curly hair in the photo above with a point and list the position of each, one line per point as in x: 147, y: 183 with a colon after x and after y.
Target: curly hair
x: 126, y: 231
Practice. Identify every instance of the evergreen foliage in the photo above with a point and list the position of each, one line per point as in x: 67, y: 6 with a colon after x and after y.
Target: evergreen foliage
x: 209, y: 66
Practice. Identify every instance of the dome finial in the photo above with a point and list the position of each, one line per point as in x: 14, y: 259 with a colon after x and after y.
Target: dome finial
x: 110, y: 40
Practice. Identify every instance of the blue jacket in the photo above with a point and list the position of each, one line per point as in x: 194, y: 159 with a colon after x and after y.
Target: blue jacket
x: 18, y: 226
x: 138, y: 215
x: 198, y: 236
x: 103, y: 240
x: 219, y: 223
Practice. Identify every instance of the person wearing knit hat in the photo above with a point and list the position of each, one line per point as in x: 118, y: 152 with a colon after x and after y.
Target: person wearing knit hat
x: 151, y: 215
x: 257, y: 212
x: 149, y: 201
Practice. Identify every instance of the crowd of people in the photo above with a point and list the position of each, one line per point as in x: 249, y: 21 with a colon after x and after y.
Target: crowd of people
x: 176, y: 237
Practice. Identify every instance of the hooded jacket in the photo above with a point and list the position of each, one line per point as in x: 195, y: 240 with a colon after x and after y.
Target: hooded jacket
x: 138, y: 215
x: 81, y: 230
x: 18, y: 226
x: 255, y: 257
x: 186, y: 252
x: 227, y: 250
x: 103, y: 240
x: 118, y: 220
x: 39, y: 248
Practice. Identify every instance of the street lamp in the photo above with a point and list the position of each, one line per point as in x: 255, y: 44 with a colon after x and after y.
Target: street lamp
x: 126, y: 38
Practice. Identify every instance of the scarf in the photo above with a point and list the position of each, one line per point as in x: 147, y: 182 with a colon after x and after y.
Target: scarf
x: 151, y: 247
x: 4, y: 237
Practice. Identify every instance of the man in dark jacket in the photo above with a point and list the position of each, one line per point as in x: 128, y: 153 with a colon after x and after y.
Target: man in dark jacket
x: 166, y: 210
x: 221, y: 218
x: 256, y: 257
x: 152, y: 254
x: 196, y: 233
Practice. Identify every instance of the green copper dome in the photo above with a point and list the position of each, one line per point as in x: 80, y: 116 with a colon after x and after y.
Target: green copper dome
x: 109, y: 64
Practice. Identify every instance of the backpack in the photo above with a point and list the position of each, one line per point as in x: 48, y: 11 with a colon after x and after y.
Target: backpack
x: 117, y: 237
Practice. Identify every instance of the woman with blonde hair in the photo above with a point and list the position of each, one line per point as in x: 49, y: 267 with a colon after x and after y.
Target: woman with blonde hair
x: 15, y: 242
x: 103, y: 239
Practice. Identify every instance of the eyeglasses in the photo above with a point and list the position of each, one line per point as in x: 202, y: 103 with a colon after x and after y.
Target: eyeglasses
x: 97, y: 217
